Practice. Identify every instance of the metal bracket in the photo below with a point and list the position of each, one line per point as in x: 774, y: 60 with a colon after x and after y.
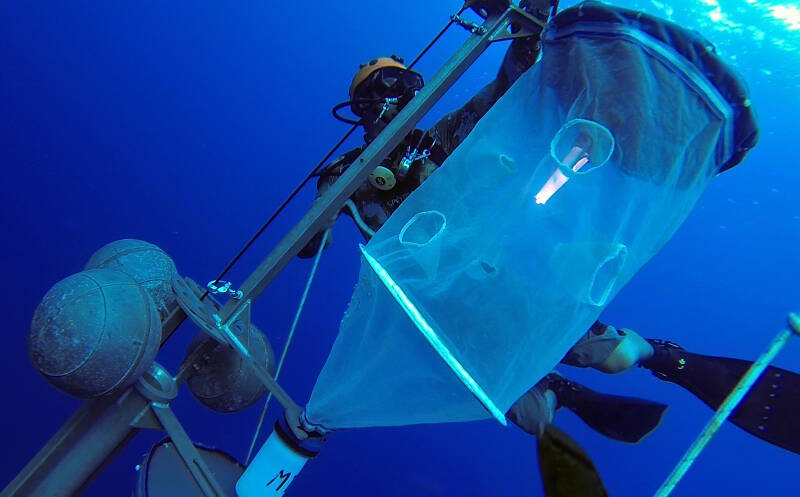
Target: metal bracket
x: 470, y: 26
x: 222, y: 287
x: 525, y: 23
x: 203, y: 312
x: 386, y: 103
x: 158, y: 386
x: 206, y: 314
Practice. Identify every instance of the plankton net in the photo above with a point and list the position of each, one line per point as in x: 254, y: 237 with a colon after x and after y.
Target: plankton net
x: 487, y: 274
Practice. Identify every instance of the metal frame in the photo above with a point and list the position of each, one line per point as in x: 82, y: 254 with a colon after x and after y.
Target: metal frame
x: 100, y: 428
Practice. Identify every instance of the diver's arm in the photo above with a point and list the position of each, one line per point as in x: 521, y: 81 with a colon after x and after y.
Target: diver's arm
x: 520, y: 56
x: 328, y: 177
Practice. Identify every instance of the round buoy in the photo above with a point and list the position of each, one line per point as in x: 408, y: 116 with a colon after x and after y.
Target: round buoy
x: 226, y: 383
x: 94, y: 332
x: 146, y: 263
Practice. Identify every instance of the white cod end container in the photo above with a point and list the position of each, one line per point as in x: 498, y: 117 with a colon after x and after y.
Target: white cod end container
x: 276, y: 464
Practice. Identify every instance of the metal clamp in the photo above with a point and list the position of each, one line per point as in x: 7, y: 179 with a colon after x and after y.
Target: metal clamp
x: 409, y: 159
x: 221, y: 287
x: 386, y: 103
x: 468, y: 25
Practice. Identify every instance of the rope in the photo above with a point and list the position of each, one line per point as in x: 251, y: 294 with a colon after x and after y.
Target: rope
x: 351, y: 206
x: 724, y: 410
x: 289, y: 339
x: 436, y: 38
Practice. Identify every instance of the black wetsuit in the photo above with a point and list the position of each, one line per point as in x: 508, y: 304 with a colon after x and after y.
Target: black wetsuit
x: 374, y: 205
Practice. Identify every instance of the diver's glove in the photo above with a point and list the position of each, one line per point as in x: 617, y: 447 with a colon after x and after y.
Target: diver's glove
x: 608, y: 349
x: 595, y: 346
x: 534, y: 411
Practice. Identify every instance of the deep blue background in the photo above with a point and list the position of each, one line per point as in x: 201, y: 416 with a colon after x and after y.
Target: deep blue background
x: 185, y: 124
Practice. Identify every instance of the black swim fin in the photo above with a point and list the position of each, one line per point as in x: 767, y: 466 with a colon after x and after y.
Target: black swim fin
x: 566, y: 469
x: 769, y: 411
x: 627, y: 419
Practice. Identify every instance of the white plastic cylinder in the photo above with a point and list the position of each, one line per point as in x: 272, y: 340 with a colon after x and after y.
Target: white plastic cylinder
x: 273, y: 469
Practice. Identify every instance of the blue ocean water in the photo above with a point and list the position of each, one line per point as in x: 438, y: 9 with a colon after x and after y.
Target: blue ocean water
x: 185, y: 124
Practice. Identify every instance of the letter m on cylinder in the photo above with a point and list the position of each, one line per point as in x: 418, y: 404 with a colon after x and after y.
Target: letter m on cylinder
x: 281, y: 479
